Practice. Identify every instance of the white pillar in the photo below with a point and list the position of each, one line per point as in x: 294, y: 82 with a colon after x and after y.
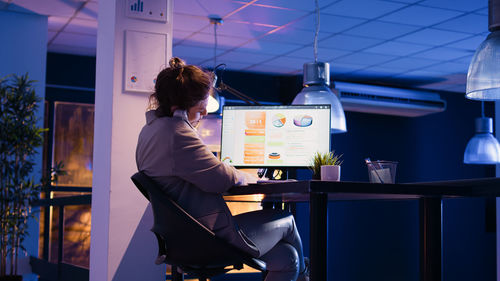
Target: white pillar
x: 497, y: 133
x: 23, y: 49
x: 122, y: 247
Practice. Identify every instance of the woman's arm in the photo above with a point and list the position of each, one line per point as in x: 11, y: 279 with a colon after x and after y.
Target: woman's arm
x: 195, y: 163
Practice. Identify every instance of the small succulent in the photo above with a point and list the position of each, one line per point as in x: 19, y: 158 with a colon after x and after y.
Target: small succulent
x: 327, y: 158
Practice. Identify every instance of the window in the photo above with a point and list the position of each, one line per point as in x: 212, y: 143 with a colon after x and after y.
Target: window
x: 69, y: 116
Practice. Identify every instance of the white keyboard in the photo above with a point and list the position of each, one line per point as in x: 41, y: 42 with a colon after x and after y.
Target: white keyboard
x: 276, y: 181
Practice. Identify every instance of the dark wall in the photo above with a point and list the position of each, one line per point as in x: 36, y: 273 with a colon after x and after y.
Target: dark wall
x: 71, y: 70
x: 428, y: 148
x: 261, y: 87
x: 375, y: 240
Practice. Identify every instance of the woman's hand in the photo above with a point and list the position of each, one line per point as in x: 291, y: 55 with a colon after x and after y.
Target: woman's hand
x: 246, y: 178
x: 250, y: 178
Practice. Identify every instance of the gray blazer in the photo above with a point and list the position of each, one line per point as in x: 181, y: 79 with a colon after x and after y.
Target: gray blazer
x: 170, y: 151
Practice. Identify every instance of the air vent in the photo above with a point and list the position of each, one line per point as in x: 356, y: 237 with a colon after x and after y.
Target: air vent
x: 388, y: 101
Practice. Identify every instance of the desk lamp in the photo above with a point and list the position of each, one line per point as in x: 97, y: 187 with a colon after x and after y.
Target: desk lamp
x: 214, y: 102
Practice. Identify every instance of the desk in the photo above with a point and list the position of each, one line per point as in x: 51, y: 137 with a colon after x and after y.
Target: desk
x: 429, y: 194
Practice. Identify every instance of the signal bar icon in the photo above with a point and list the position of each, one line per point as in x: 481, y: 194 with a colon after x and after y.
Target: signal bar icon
x: 137, y: 7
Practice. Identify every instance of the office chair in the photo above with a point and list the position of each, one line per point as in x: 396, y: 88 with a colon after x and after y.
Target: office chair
x: 185, y: 243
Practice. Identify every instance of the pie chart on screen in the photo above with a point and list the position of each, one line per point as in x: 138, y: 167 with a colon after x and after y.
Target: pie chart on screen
x: 302, y: 120
x: 274, y: 155
x: 279, y: 120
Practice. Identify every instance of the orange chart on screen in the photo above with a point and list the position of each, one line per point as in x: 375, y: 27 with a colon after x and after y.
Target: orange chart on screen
x: 254, y: 137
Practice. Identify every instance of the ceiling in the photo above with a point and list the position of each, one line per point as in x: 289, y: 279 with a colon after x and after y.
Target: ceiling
x: 413, y: 43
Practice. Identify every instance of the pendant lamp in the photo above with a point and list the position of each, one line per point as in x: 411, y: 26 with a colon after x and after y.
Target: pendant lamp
x: 214, y: 100
x: 316, y: 91
x: 483, y: 148
x: 483, y: 77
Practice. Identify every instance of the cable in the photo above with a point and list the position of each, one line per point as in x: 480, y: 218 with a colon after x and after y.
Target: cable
x: 215, y: 45
x: 215, y: 74
x: 220, y: 65
x: 215, y: 20
x: 316, y: 32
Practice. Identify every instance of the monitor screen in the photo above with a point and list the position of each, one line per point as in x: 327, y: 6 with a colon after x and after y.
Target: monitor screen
x: 274, y: 136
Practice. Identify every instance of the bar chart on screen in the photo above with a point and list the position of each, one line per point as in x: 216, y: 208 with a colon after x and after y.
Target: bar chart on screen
x: 153, y: 10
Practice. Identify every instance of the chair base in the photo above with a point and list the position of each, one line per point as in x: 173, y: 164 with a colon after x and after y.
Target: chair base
x: 201, y: 274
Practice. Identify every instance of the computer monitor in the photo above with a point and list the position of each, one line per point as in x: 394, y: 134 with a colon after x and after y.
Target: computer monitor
x: 274, y: 136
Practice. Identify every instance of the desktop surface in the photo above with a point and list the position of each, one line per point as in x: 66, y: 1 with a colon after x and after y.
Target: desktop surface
x: 481, y: 187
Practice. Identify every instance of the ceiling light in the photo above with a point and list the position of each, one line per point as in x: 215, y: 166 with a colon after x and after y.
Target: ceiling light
x: 214, y: 102
x: 483, y: 77
x: 316, y: 91
x: 483, y: 148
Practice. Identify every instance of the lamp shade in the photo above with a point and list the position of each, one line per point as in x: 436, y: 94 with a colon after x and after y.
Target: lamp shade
x: 316, y: 91
x: 483, y: 148
x: 213, y: 102
x: 483, y: 77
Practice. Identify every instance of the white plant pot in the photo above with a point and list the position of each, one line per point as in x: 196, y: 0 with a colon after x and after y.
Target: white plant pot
x: 330, y: 173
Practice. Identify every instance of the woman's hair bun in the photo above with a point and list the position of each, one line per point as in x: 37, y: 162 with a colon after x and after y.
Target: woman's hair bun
x: 176, y: 62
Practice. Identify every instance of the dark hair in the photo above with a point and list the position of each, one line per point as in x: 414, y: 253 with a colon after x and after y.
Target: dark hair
x: 180, y: 85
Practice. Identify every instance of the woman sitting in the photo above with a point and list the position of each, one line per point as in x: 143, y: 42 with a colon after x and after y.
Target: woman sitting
x: 170, y: 151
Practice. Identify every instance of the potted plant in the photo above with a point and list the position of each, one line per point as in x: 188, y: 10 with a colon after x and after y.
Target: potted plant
x: 20, y: 137
x: 326, y: 166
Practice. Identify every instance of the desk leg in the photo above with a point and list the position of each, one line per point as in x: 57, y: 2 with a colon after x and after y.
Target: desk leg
x: 430, y: 239
x: 318, y: 209
x: 176, y: 275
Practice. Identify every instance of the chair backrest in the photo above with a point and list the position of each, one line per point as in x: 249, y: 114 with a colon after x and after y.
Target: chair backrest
x: 188, y: 243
